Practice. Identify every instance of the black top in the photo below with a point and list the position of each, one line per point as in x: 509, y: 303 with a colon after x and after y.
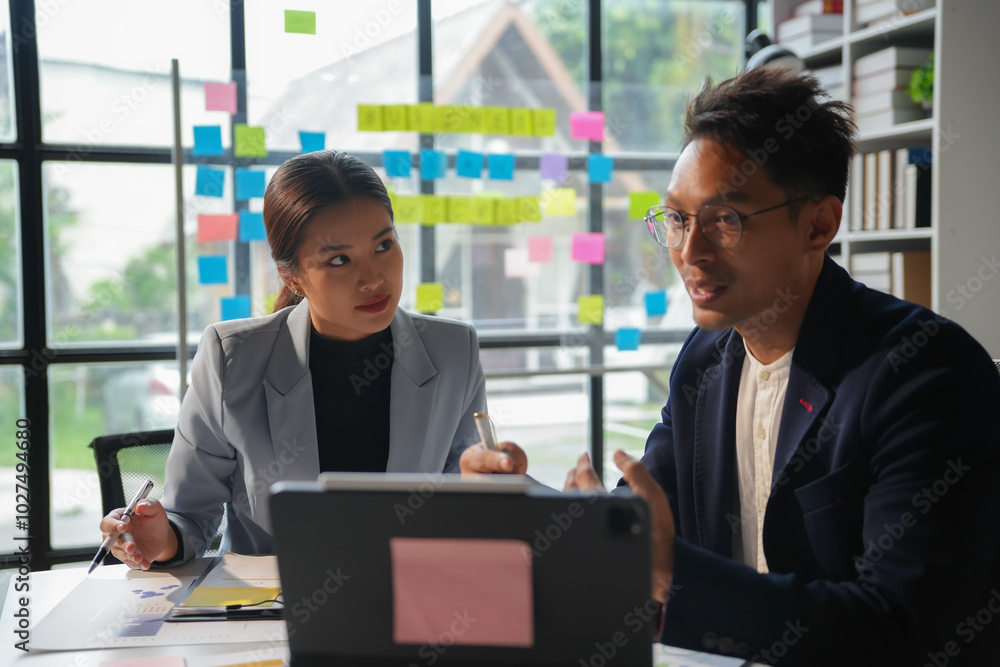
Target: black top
x: 351, y: 381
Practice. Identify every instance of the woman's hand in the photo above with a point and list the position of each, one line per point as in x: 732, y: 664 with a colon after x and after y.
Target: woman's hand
x: 146, y: 538
x: 510, y: 459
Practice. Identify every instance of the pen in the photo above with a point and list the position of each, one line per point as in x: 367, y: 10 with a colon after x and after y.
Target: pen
x: 486, y: 433
x: 110, y: 540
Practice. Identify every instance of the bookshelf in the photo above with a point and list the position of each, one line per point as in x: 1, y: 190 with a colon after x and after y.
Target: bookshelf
x: 963, y: 134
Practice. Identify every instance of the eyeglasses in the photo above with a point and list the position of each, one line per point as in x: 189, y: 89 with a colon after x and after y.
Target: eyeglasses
x: 721, y: 225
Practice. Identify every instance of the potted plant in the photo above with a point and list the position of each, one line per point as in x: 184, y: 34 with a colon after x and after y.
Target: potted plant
x: 921, y: 87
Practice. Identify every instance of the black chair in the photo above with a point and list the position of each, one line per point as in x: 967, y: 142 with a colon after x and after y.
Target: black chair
x: 126, y: 460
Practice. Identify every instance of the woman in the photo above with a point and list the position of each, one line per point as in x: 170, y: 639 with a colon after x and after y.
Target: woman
x: 336, y: 378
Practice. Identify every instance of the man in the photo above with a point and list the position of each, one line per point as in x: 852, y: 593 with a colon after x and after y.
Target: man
x: 830, y: 455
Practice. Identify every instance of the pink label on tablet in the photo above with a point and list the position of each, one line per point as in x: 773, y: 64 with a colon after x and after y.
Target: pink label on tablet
x: 462, y: 591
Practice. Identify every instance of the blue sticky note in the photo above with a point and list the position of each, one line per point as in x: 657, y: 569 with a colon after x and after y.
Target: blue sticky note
x: 656, y: 303
x: 469, y: 164
x: 252, y: 226
x: 210, y: 181
x: 599, y: 168
x: 250, y: 183
x: 235, y: 307
x: 432, y: 164
x: 628, y: 339
x: 502, y: 167
x: 397, y: 164
x: 207, y: 140
x: 212, y: 270
x: 312, y: 141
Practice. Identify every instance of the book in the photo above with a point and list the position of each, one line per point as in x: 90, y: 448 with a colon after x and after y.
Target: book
x: 871, y: 192
x: 868, y: 11
x: 801, y: 43
x: 900, y: 160
x: 810, y: 23
x: 886, y: 190
x: 893, y: 57
x: 857, y: 193
x: 882, y: 101
x: 874, y: 269
x: 910, y: 276
x: 883, y: 120
x: 812, y: 7
x: 889, y: 79
x: 918, y: 196
x: 830, y: 77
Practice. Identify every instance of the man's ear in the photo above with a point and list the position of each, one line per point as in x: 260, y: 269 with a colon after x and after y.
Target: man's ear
x: 824, y: 222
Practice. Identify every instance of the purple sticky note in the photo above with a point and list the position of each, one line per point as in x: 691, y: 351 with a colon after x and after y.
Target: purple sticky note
x: 587, y: 125
x: 539, y: 248
x: 588, y: 248
x: 554, y: 166
x: 220, y: 96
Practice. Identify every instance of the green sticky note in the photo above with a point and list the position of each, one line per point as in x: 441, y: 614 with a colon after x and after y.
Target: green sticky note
x: 521, y: 124
x: 249, y: 141
x: 370, y: 118
x: 639, y: 203
x: 460, y: 210
x: 303, y: 23
x: 544, y: 122
x: 484, y: 210
x: 472, y: 120
x: 449, y: 118
x: 560, y: 202
x: 529, y: 209
x: 395, y: 117
x: 430, y: 297
x: 435, y: 209
x: 496, y: 120
x: 591, y: 309
x: 506, y: 212
x: 423, y: 118
x: 408, y: 208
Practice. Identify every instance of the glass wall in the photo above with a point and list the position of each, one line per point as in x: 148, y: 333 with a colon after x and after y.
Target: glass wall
x: 10, y: 258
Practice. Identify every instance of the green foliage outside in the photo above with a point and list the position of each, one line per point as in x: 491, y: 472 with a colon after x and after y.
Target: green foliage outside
x: 921, y: 86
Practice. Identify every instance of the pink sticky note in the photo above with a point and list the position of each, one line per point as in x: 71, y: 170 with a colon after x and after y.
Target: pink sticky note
x: 152, y: 661
x: 439, y: 584
x: 217, y: 227
x: 539, y: 248
x: 220, y: 96
x: 587, y: 125
x: 588, y: 248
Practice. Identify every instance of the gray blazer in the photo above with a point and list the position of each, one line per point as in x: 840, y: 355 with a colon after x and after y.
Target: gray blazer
x: 248, y: 418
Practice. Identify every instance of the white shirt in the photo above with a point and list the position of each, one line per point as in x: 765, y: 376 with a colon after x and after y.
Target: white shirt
x: 758, y: 414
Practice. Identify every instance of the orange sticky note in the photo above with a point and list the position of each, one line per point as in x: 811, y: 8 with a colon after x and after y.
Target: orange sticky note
x: 217, y: 227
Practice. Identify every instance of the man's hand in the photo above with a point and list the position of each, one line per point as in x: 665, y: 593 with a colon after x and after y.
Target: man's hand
x: 147, y: 537
x: 511, y: 460
x: 583, y: 477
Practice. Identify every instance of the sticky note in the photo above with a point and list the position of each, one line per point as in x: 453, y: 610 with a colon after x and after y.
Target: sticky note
x: 213, y: 269
x: 250, y: 183
x: 435, y: 209
x: 517, y: 265
x: 234, y: 308
x: 312, y: 141
x: 628, y: 339
x: 599, y: 168
x: 484, y: 210
x: 496, y: 120
x: 217, y: 227
x: 529, y: 209
x: 207, y: 140
x: 220, y: 96
x: 588, y: 248
x: 506, y: 212
x: 269, y: 301
x: 560, y: 202
x: 370, y: 118
x: 448, y: 118
x: 303, y: 23
x: 396, y: 117
x: 501, y: 167
x: 397, y: 164
x: 553, y: 166
x: 409, y: 208
x: 430, y: 297
x: 422, y: 118
x: 544, y: 122
x: 469, y: 164
x: 249, y: 141
x: 540, y: 249
x: 591, y: 309
x: 221, y: 596
x: 252, y: 226
x: 209, y: 181
x: 639, y: 203
x: 656, y: 303
x: 472, y: 120
x: 460, y: 210
x: 587, y: 125
x: 432, y: 164
x: 521, y: 122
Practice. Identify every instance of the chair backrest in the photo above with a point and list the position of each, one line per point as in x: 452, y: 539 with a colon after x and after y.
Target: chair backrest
x: 126, y: 460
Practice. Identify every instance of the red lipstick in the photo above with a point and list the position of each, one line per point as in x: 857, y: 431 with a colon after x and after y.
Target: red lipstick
x: 376, y: 305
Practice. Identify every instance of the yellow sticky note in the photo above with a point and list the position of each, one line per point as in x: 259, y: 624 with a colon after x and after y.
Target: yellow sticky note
x: 472, y: 120
x: 409, y: 208
x: 484, y: 210
x: 221, y: 596
x: 591, y: 309
x: 430, y: 297
x: 370, y: 118
x: 396, y: 117
x: 435, y: 209
x: 521, y: 124
x: 545, y: 122
x: 496, y: 120
x: 460, y: 210
x: 448, y: 118
x: 249, y: 141
x: 639, y: 203
x: 529, y: 209
x: 422, y: 118
x: 269, y: 301
x: 506, y: 212
x: 560, y: 202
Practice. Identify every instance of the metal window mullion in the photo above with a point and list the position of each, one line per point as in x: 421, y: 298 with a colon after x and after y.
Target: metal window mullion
x: 595, y: 223
x: 425, y: 93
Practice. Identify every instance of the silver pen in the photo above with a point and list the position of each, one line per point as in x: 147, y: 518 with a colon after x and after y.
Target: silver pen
x: 486, y: 432
x: 110, y: 540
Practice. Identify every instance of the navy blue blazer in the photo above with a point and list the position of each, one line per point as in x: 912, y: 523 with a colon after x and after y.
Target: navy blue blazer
x: 882, y: 529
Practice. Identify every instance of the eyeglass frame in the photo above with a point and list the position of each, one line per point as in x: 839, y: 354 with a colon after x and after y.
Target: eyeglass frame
x: 739, y: 216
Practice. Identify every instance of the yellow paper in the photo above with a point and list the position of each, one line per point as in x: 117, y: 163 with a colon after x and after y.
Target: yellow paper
x: 484, y: 210
x: 222, y: 596
x: 521, y: 124
x: 545, y: 122
x: 249, y: 141
x: 496, y: 120
x: 408, y: 208
x: 422, y: 118
x: 472, y: 120
x: 460, y: 210
x: 448, y: 118
x: 591, y: 309
x: 506, y: 212
x: 430, y: 297
x: 560, y: 202
x: 269, y: 301
x: 529, y: 209
x: 396, y: 117
x: 370, y: 118
x: 435, y: 209
x: 639, y: 203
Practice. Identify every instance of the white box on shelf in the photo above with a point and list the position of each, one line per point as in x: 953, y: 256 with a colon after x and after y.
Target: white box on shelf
x: 808, y: 41
x: 893, y: 57
x: 810, y: 23
x: 884, y: 120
